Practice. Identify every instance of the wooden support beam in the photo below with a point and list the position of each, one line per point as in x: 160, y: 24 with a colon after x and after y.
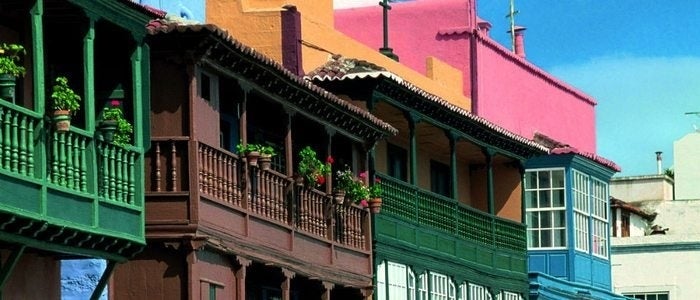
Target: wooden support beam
x: 10, y: 264
x: 103, y: 280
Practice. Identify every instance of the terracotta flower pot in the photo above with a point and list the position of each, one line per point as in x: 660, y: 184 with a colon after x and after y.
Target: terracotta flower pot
x: 253, y: 158
x: 265, y: 161
x: 375, y: 205
x: 61, y: 119
x: 339, y: 196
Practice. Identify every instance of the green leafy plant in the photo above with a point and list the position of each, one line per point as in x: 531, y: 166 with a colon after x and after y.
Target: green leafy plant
x: 9, y: 59
x: 63, y: 96
x: 114, y: 113
x: 375, y: 190
x: 354, y: 186
x: 262, y: 149
x: 312, y: 169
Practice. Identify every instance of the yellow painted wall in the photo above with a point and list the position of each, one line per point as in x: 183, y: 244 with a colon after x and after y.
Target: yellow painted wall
x: 257, y: 23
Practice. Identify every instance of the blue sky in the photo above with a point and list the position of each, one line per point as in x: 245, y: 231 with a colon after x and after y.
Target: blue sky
x: 639, y: 59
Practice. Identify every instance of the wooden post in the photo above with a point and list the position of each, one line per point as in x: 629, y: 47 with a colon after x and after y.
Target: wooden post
x: 286, y: 283
x: 240, y: 277
x: 327, y: 288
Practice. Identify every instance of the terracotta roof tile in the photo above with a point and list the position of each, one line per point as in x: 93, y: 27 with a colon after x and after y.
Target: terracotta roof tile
x: 339, y: 68
x: 161, y: 26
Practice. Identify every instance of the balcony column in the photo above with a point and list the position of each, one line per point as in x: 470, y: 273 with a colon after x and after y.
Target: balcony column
x: 288, y: 143
x: 327, y: 288
x: 523, y: 207
x: 452, y: 137
x: 330, y: 132
x: 488, y: 154
x: 240, y: 276
x: 286, y: 283
x: 413, y: 120
x: 37, y: 13
x: 140, y: 101
x: 243, y: 133
x: 89, y: 72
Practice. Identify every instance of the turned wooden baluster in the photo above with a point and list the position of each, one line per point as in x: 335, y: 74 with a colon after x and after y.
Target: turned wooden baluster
x: 69, y: 160
x: 173, y: 163
x: 157, y: 166
x: 7, y: 148
x: 23, y: 146
x: 15, y: 144
x: 30, y: 149
x: 228, y: 173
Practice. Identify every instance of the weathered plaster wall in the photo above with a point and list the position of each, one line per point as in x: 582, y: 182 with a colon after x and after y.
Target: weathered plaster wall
x: 257, y: 23
x: 511, y: 92
x: 79, y: 278
x: 642, y: 188
x: 670, y: 256
x: 686, y: 165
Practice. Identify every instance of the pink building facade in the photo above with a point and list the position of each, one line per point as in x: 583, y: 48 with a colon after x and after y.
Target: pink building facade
x: 504, y: 87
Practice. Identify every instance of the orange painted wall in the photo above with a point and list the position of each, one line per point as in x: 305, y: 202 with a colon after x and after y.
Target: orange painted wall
x: 257, y: 23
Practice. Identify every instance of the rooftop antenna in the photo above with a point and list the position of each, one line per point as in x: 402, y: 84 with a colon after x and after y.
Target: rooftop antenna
x: 511, y: 16
x: 697, y: 114
x: 386, y: 50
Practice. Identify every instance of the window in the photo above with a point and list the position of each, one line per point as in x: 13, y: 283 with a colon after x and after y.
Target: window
x: 208, y: 87
x: 625, y: 224
x: 648, y: 296
x: 477, y: 292
x: 397, y: 162
x: 511, y: 296
x: 599, y: 214
x: 581, y: 210
x: 422, y: 287
x: 545, y: 201
x: 440, y: 178
x: 401, y: 281
x: 441, y: 287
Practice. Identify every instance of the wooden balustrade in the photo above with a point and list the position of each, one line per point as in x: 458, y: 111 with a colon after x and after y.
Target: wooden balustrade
x: 18, y: 139
x: 269, y: 194
x: 116, y: 177
x: 68, y: 157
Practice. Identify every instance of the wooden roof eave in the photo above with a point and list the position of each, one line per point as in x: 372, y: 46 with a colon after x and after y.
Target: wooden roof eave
x: 300, y: 96
x: 442, y: 116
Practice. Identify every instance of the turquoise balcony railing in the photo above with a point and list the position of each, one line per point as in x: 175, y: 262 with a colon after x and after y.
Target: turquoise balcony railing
x: 68, y: 189
x: 426, y: 209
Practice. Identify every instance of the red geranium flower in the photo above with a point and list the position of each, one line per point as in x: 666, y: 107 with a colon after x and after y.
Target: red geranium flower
x: 330, y: 159
x: 364, y: 203
x: 320, y: 179
x: 114, y: 103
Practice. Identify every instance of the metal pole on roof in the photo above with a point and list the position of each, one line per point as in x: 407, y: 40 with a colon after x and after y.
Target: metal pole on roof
x: 386, y: 50
x: 511, y: 15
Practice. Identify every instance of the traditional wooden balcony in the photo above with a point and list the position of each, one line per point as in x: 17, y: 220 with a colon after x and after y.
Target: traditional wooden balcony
x: 440, y: 224
x: 266, y: 213
x: 68, y: 192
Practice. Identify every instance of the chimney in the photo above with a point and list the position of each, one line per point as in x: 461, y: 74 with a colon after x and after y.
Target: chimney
x: 519, y: 46
x: 484, y: 27
x: 659, y: 170
x: 291, y: 40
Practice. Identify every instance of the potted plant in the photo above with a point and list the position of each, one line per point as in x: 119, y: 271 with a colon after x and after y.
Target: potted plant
x: 9, y: 69
x: 251, y: 152
x: 266, y: 154
x: 375, y: 196
x: 65, y: 103
x: 114, y: 127
x: 354, y: 186
x: 311, y: 169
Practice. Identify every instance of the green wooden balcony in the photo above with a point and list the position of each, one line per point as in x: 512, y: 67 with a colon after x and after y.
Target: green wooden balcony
x: 422, y: 220
x: 68, y: 192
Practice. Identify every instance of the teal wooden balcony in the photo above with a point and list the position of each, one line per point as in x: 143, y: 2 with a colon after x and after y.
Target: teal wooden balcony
x: 417, y: 219
x: 68, y: 192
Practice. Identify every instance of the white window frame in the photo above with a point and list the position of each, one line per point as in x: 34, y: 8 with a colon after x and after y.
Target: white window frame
x: 400, y: 284
x: 478, y: 292
x: 646, y: 294
x: 551, y: 210
x: 600, y: 215
x: 581, y: 194
x: 422, y: 286
x: 441, y: 287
